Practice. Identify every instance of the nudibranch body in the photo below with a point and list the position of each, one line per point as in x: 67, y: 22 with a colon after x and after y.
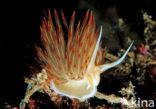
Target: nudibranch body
x: 73, y: 69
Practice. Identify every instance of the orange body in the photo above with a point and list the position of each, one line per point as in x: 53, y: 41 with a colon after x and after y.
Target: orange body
x: 73, y: 68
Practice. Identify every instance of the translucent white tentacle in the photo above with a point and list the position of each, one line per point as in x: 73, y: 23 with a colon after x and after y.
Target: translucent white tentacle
x: 108, y: 66
x: 92, y: 61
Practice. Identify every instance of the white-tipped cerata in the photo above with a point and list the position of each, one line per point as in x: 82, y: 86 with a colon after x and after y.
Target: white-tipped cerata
x: 108, y: 66
x: 92, y: 61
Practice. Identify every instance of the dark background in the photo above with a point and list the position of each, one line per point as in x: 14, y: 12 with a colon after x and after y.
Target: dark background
x: 20, y: 30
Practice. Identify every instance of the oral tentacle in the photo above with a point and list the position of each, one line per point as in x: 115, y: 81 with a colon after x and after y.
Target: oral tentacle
x: 108, y: 66
x: 92, y: 61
